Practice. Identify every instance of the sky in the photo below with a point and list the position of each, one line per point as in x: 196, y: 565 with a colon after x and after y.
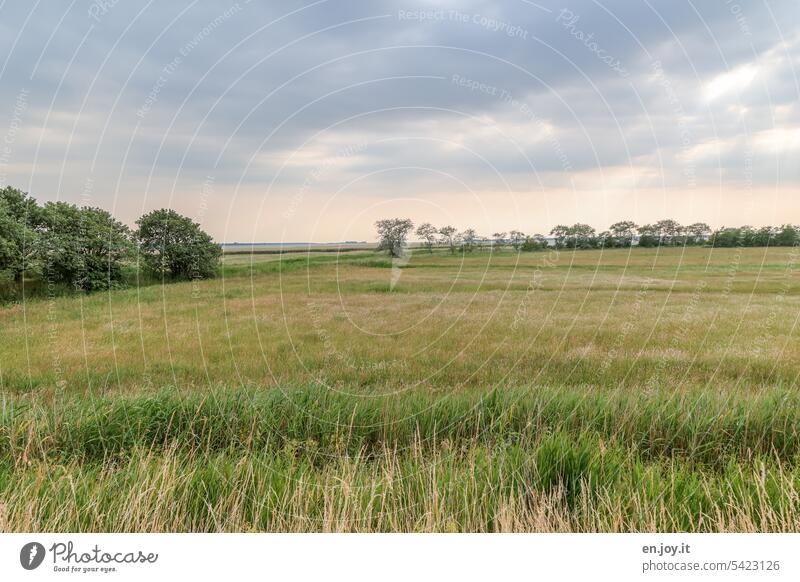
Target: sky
x: 309, y: 121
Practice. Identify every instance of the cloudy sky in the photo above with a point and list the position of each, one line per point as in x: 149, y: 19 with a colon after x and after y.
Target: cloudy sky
x: 295, y: 121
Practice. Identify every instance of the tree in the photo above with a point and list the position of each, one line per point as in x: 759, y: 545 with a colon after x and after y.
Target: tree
x: 499, y: 239
x: 18, y: 244
x: 517, y: 238
x: 581, y: 236
x: 697, y: 233
x: 469, y: 240
x: 623, y: 232
x: 22, y: 206
x: 392, y: 235
x: 560, y: 234
x: 747, y: 236
x: 606, y: 240
x: 172, y: 245
x: 669, y: 231
x: 427, y: 233
x: 648, y: 236
x: 726, y: 237
x: 83, y: 247
x: 533, y: 243
x: 20, y: 217
x: 448, y: 237
x: 787, y: 236
x: 764, y: 236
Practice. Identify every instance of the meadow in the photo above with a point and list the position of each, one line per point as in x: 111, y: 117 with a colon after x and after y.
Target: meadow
x: 617, y: 390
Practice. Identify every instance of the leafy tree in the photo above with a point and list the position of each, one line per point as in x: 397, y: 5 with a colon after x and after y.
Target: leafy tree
x: 20, y: 217
x: 83, y: 247
x: 670, y: 232
x: 747, y: 236
x: 533, y: 243
x: 448, y: 237
x: 606, y: 240
x: 726, y: 237
x: 22, y: 206
x: 560, y: 234
x: 427, y: 233
x: 18, y: 244
x: 622, y: 233
x: 697, y: 233
x: 787, y: 236
x: 581, y: 236
x: 763, y: 237
x: 517, y: 238
x: 172, y: 245
x: 649, y: 236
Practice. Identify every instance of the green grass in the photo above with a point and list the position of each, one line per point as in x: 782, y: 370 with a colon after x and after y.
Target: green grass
x: 626, y: 390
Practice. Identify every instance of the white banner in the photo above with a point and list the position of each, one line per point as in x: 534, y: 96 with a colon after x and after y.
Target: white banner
x: 370, y: 557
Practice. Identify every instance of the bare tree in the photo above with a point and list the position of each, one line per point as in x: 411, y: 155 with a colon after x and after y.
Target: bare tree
x: 427, y: 233
x: 469, y: 239
x: 499, y: 239
x: 448, y: 234
x: 392, y: 234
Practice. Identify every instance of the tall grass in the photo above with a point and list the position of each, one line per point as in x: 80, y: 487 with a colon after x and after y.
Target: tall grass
x: 702, y: 429
x: 309, y: 460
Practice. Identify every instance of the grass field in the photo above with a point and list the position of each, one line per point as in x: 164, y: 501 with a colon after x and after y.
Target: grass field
x: 623, y: 390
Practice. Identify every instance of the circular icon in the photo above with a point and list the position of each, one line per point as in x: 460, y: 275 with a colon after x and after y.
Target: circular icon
x: 31, y: 555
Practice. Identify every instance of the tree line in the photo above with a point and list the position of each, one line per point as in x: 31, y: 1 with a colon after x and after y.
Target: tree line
x: 86, y: 248
x: 393, y: 236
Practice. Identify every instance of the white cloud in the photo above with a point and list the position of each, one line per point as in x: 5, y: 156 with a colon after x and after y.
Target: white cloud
x: 731, y: 82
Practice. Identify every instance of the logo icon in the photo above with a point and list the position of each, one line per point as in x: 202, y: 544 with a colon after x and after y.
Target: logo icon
x: 31, y: 555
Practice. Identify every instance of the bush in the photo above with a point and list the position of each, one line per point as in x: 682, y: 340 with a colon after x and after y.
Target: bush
x: 83, y: 247
x: 171, y: 245
x: 533, y: 243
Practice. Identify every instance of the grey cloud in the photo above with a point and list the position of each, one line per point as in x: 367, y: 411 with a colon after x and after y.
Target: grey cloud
x: 181, y: 90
